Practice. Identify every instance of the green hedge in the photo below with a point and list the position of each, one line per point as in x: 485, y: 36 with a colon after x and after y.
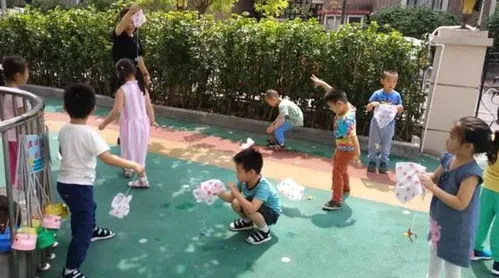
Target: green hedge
x: 416, y: 21
x: 223, y: 66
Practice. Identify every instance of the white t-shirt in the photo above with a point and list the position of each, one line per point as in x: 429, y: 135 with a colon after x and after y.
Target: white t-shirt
x: 80, y: 146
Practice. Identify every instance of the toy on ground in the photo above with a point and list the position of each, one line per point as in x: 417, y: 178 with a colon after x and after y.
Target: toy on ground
x: 411, y: 234
x: 291, y: 190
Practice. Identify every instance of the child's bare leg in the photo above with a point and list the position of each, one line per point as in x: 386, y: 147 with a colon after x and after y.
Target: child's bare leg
x: 236, y: 207
x: 240, y: 224
x: 258, y: 220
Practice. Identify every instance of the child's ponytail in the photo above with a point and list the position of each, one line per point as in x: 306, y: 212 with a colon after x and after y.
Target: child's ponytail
x: 125, y: 68
x: 494, y: 144
x: 494, y: 147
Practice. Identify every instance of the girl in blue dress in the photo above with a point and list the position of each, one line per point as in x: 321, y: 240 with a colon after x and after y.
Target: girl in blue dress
x: 455, y: 205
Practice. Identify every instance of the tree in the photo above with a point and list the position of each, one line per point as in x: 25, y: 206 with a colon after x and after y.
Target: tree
x: 270, y: 8
x: 415, y: 22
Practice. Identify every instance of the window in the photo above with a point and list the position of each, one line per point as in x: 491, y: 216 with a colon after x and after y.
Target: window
x: 355, y: 19
x: 333, y: 22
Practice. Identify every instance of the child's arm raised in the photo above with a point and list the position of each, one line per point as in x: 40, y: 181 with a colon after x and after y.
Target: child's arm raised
x: 321, y: 83
x: 114, y: 160
x: 150, y: 110
x: 115, y: 112
x: 458, y: 202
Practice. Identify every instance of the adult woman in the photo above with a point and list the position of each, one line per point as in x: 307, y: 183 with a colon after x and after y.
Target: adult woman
x: 126, y: 44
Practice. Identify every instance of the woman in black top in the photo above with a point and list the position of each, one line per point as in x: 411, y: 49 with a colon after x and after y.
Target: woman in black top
x: 127, y: 44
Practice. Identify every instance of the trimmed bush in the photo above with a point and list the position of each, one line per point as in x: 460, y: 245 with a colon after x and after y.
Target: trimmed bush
x: 223, y: 66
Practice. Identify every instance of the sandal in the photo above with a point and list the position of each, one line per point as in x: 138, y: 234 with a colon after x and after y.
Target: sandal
x: 141, y: 182
x: 271, y: 141
x: 276, y: 147
x: 240, y: 225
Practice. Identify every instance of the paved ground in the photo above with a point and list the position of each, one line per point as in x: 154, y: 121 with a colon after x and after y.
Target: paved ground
x: 161, y: 236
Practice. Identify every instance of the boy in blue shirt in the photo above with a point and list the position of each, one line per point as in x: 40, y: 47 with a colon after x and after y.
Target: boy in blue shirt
x: 380, y: 139
x: 254, y: 199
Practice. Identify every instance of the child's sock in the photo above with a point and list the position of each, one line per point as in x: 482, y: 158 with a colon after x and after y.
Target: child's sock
x: 246, y: 220
x: 68, y: 271
x: 264, y: 229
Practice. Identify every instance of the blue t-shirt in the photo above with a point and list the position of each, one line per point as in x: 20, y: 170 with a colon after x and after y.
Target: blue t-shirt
x: 382, y: 97
x: 452, y: 232
x: 263, y: 191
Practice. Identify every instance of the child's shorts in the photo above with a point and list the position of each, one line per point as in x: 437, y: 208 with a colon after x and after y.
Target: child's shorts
x: 268, y: 214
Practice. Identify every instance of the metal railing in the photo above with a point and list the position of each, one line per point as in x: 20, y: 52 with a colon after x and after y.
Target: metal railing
x: 28, y: 118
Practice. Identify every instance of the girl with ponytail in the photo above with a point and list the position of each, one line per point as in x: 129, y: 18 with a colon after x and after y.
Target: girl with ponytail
x: 133, y: 105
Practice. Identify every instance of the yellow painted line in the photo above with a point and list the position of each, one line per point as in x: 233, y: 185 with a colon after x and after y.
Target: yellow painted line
x: 364, y: 189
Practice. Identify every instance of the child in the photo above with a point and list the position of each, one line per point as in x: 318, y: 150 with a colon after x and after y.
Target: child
x: 80, y: 145
x: 489, y: 209
x: 13, y: 73
x: 290, y: 116
x: 454, y: 206
x: 133, y: 104
x: 380, y: 139
x: 254, y: 198
x: 347, y: 145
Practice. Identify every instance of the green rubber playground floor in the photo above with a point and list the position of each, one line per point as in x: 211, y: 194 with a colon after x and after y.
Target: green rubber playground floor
x: 55, y: 105
x: 161, y: 237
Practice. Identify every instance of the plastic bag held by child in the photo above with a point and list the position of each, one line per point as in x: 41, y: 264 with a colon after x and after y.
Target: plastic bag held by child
x: 120, y: 205
x: 207, y: 191
x: 384, y: 114
x: 408, y: 183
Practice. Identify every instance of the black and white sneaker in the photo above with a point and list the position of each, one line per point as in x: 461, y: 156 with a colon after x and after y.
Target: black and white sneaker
x: 259, y: 237
x: 100, y: 234
x: 240, y: 225
x: 495, y: 269
x: 75, y: 274
x: 332, y: 205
